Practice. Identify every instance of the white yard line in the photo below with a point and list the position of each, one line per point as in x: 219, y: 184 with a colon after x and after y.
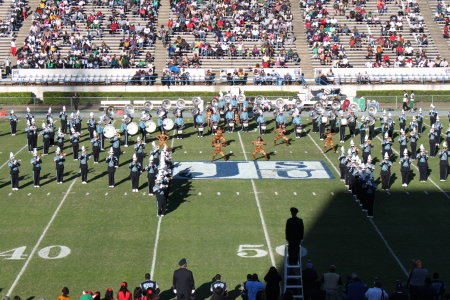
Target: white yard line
x: 429, y: 179
x: 20, y: 150
x: 158, y: 229
x: 258, y: 204
x: 155, y: 248
x: 38, y: 243
x: 388, y: 247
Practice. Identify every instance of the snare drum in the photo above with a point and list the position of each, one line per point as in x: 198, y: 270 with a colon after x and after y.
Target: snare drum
x: 245, y: 123
x: 263, y: 126
x: 231, y: 124
x: 344, y: 121
x: 324, y: 119
x: 201, y: 128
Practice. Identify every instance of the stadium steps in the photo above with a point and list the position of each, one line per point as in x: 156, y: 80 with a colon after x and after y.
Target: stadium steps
x: 433, y: 5
x: 25, y: 29
x: 292, y: 276
x: 434, y: 30
x: 300, y: 42
x: 160, y: 51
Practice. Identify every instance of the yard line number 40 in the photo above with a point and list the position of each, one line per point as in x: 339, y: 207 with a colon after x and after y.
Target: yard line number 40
x: 49, y: 252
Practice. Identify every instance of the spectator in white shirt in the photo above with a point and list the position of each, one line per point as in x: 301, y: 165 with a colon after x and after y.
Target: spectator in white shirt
x: 376, y: 293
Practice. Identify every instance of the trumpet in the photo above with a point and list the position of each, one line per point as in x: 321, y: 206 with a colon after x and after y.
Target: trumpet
x: 62, y: 153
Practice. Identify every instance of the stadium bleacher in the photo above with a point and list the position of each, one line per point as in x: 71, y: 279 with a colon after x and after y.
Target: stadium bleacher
x: 236, y: 34
x: 368, y: 33
x: 94, y: 35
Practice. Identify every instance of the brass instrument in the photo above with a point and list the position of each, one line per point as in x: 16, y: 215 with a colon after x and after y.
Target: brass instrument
x: 353, y: 107
x: 166, y: 104
x: 198, y: 101
x: 181, y: 103
x: 279, y: 103
x: 148, y: 106
x: 318, y: 105
x: 129, y: 108
x: 241, y: 98
x: 110, y: 110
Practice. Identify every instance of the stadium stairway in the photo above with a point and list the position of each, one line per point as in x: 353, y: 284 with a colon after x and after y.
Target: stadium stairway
x: 300, y: 42
x: 25, y: 29
x: 435, y: 30
x: 160, y: 51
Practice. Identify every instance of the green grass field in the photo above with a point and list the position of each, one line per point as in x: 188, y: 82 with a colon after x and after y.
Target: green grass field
x: 111, y: 233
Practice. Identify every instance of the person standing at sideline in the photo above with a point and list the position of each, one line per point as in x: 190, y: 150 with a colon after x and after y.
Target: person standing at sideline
x: 294, y: 235
x: 376, y: 293
x: 331, y: 282
x: 183, y: 281
x: 416, y: 279
x: 272, y: 279
x: 64, y: 294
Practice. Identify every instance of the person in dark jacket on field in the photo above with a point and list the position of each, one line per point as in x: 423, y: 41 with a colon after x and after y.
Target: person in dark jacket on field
x: 183, y: 282
x: 272, y: 279
x: 309, y: 278
x: 294, y: 235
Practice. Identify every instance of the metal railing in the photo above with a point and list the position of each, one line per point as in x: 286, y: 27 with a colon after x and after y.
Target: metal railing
x: 396, y: 102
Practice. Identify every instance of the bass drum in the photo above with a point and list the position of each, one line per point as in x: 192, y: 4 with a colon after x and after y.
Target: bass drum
x: 132, y: 128
x: 150, y: 126
x: 168, y: 124
x: 109, y: 131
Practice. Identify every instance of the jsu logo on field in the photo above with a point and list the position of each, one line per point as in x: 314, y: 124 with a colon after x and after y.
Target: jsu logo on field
x: 252, y: 170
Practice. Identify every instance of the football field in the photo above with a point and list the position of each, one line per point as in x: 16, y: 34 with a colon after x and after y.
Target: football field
x: 92, y: 237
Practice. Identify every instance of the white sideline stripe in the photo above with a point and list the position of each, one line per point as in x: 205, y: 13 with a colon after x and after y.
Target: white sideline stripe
x: 429, y: 179
x: 38, y: 243
x: 158, y: 229
x: 389, y: 247
x: 258, y: 204
x: 155, y: 247
x: 371, y: 220
x: 20, y: 150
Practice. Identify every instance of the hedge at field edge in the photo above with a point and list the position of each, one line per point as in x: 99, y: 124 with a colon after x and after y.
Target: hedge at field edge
x: 400, y: 93
x: 16, y: 98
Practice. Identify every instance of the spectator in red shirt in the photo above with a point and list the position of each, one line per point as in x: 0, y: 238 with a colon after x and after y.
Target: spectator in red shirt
x: 123, y: 293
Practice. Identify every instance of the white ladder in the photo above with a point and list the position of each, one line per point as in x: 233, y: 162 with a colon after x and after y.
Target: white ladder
x: 292, y: 279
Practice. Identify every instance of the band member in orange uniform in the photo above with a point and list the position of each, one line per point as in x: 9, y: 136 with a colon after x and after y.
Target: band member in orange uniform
x: 218, y: 150
x: 258, y: 148
x: 280, y: 135
x: 329, y: 141
x: 219, y: 137
x: 163, y: 138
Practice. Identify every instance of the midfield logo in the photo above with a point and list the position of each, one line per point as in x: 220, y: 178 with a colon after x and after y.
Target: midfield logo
x: 252, y: 170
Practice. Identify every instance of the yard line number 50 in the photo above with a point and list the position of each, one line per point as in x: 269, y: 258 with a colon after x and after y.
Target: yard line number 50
x: 256, y: 251
x: 49, y: 252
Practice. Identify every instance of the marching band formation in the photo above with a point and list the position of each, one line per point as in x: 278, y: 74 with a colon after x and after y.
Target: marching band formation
x: 230, y: 113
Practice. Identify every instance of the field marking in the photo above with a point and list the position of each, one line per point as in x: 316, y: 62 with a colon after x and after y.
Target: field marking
x: 314, y: 194
x: 389, y: 247
x: 155, y: 248
x: 276, y: 193
x: 20, y: 150
x: 295, y: 193
x: 370, y: 220
x: 429, y: 179
x: 237, y: 193
x: 218, y: 193
x: 199, y: 193
x: 158, y: 229
x: 258, y: 204
x: 48, y: 194
x: 38, y: 243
